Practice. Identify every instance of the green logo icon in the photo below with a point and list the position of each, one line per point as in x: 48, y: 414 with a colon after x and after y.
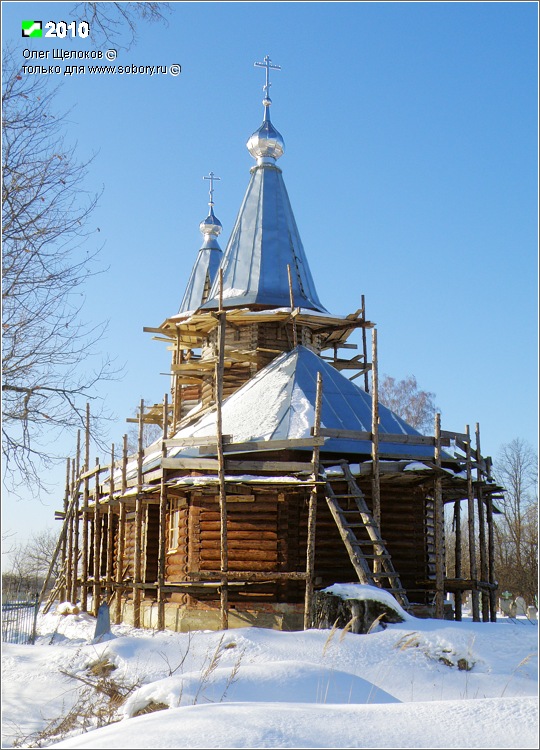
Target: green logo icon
x: 32, y: 28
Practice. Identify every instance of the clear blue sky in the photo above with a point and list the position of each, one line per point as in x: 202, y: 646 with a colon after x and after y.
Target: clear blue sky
x: 411, y: 163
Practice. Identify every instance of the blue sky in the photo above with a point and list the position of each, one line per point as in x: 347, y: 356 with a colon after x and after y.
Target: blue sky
x: 411, y: 164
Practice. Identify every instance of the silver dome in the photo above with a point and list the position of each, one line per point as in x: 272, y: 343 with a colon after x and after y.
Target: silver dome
x: 211, y: 225
x: 266, y: 141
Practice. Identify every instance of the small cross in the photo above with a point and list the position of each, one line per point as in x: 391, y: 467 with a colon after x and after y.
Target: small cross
x: 211, y: 177
x: 267, y: 64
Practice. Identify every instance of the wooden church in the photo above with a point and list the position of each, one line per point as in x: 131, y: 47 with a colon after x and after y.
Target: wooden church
x: 278, y: 472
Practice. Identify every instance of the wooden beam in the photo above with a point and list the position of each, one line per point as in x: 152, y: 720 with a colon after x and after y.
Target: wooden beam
x: 458, y: 571
x: 137, y: 572
x: 162, y: 525
x: 224, y: 567
x: 312, y: 513
x: 85, y: 516
x: 439, y: 527
x: 63, y: 558
x: 96, y: 588
x: 375, y: 480
x: 195, y: 441
x: 210, y: 464
x: 491, y: 561
x: 236, y: 575
x: 472, y: 537
x: 482, y: 529
x: 121, y: 535
x: 266, y: 445
x: 384, y: 437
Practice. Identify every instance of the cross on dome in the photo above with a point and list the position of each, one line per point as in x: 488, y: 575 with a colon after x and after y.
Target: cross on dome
x: 211, y: 176
x: 266, y: 88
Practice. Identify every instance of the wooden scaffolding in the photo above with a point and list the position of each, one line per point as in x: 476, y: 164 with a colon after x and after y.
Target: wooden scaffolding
x: 99, y: 501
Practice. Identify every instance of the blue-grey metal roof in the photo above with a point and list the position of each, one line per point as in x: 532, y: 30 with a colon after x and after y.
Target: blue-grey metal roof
x: 279, y: 403
x: 202, y: 275
x: 264, y: 241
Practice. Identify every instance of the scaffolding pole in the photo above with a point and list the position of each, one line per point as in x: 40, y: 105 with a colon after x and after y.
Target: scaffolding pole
x: 137, y: 573
x: 162, y: 524
x: 472, y: 539
x: 439, y: 526
x: 220, y: 364
x: 312, y: 513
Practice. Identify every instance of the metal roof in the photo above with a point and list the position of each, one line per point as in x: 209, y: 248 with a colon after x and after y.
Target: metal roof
x: 279, y: 403
x: 264, y: 241
x: 202, y: 275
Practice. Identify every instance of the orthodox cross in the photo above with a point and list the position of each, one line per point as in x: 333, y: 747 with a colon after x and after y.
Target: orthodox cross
x: 267, y: 64
x: 211, y: 177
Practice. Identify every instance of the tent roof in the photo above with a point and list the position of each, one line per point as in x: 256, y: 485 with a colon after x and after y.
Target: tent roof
x: 264, y: 241
x: 279, y: 403
x: 203, y: 274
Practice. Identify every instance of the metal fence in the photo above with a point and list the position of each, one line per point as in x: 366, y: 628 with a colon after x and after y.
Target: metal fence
x: 19, y: 617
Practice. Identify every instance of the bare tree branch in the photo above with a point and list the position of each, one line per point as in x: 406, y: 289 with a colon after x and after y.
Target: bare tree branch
x: 110, y: 21
x: 50, y: 362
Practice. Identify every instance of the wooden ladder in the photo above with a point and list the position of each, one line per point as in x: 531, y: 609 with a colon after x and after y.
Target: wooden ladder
x: 352, y: 517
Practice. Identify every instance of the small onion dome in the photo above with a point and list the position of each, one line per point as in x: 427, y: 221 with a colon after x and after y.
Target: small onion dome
x: 211, y: 225
x: 266, y: 141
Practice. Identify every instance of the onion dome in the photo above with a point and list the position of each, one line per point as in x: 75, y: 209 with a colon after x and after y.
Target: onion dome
x: 266, y: 142
x: 210, y: 228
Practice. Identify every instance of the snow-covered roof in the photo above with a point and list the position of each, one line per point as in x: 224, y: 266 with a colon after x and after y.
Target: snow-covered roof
x: 279, y: 404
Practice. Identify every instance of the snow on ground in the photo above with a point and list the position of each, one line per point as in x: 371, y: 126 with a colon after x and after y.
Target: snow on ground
x: 419, y: 683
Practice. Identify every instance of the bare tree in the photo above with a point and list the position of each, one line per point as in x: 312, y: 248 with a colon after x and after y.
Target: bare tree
x: 29, y: 561
x: 410, y: 403
x: 109, y: 21
x: 516, y: 469
x: 48, y: 372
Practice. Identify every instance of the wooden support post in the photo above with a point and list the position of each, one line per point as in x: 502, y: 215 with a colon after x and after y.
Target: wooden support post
x: 75, y: 578
x: 481, y: 527
x: 491, y: 561
x: 137, y: 572
x: 85, y: 519
x: 177, y: 387
x: 69, y: 564
x: 162, y: 524
x: 439, y: 527
x: 220, y: 363
x: 472, y: 539
x: 110, y: 530
x: 63, y: 590
x: 121, y: 536
x: 291, y: 297
x: 458, y: 572
x: 364, y: 346
x: 375, y: 477
x: 96, y: 590
x: 312, y: 514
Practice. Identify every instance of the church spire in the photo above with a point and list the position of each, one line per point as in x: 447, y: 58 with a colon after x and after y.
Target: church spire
x: 208, y: 259
x: 265, y: 241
